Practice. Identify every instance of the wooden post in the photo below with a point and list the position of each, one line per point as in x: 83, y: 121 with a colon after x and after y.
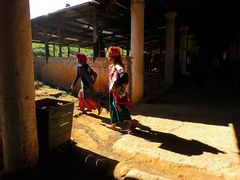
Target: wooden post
x: 95, y: 34
x: 68, y: 51
x: 46, y: 51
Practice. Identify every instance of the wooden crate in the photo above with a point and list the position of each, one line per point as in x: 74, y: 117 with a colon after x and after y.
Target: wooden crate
x: 54, y: 123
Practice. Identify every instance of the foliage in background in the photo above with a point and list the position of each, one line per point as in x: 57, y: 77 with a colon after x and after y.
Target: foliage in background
x: 39, y: 50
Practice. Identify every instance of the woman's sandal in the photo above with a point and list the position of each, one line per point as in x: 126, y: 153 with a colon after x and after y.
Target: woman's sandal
x: 76, y: 115
x: 132, y: 127
x: 99, y: 109
x: 111, y: 126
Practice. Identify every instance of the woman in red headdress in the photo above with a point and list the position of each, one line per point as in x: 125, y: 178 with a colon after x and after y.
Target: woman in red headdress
x: 86, y: 95
x: 118, y: 99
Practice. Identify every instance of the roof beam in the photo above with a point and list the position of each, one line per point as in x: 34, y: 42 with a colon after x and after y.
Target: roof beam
x: 109, y: 5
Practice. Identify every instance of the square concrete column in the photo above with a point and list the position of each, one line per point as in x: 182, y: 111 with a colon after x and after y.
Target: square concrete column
x: 137, y: 49
x: 183, y: 49
x: 190, y: 42
x: 170, y: 38
x: 17, y: 92
x: 193, y: 46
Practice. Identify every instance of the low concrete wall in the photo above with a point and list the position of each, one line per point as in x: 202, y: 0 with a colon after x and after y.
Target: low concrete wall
x: 62, y: 71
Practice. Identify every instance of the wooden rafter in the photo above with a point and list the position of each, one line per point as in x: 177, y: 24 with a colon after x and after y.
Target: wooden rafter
x: 109, y: 4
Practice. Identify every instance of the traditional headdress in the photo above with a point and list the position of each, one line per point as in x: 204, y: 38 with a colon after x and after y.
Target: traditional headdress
x: 82, y: 58
x: 114, y: 51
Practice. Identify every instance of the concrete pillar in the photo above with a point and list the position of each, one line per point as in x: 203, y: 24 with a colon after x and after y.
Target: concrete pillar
x: 190, y: 50
x: 137, y: 49
x: 169, y: 52
x: 235, y: 50
x: 183, y: 49
x: 17, y: 92
x: 190, y: 42
x: 193, y: 46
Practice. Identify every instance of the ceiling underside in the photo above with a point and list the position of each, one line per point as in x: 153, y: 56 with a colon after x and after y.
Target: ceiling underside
x: 214, y: 23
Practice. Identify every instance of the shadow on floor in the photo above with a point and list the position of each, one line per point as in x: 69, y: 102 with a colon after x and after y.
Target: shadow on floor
x: 177, y: 144
x: 217, y: 102
x: 69, y: 162
x: 174, y: 143
x: 103, y: 119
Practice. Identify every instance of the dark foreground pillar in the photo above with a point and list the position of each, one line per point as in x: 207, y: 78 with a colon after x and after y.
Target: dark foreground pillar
x: 17, y: 93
